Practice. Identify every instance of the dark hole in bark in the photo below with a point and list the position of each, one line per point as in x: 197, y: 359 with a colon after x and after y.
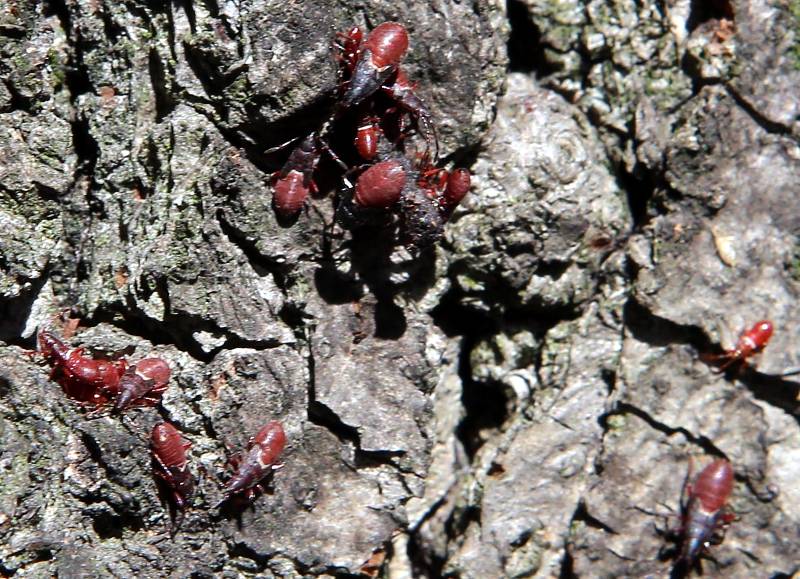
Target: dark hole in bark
x: 486, y: 405
x: 704, y: 10
x: 525, y: 51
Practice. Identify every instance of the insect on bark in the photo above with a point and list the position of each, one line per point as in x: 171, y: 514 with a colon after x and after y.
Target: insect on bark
x: 373, y: 62
x: 256, y: 462
x: 142, y: 384
x: 750, y: 343
x: 83, y: 378
x: 295, y: 180
x: 380, y: 185
x: 704, y: 510
x: 171, y: 466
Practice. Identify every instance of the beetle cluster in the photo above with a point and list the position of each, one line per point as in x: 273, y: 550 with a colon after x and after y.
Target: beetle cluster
x: 381, y: 116
x: 122, y: 386
x: 388, y: 178
x: 101, y: 382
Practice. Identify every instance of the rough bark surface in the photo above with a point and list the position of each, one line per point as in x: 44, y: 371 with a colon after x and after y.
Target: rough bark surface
x: 520, y: 401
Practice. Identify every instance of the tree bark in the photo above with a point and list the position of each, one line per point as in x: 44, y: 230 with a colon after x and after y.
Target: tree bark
x: 520, y: 400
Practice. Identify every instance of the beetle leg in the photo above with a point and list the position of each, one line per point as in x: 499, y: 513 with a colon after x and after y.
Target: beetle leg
x: 686, y: 491
x: 281, y: 146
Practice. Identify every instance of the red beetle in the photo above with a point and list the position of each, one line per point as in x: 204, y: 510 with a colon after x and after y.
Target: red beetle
x: 376, y: 60
x: 367, y: 135
x: 387, y: 44
x: 705, y: 509
x: 458, y: 184
x: 295, y: 180
x: 750, y: 342
x: 170, y: 463
x: 380, y: 185
x: 372, y: 65
x: 81, y: 377
x: 347, y: 50
x: 255, y: 463
x: 142, y: 384
x: 447, y: 187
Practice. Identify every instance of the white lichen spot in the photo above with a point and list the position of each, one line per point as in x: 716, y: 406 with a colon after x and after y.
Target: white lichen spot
x: 208, y: 341
x: 725, y: 246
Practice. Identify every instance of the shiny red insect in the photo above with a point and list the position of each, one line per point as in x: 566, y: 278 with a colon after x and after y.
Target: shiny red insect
x: 750, y: 342
x: 373, y: 65
x: 378, y: 108
x: 256, y: 462
x: 170, y: 464
x: 380, y: 185
x: 295, y: 180
x: 704, y: 507
x: 367, y: 136
x: 83, y: 378
x: 458, y: 184
x: 448, y: 188
x: 387, y: 43
x: 347, y: 49
x: 142, y: 384
x: 372, y: 62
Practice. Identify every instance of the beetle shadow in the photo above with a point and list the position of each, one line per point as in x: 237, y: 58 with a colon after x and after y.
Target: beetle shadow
x: 373, y: 271
x: 176, y: 515
x: 681, y: 569
x: 671, y: 550
x: 774, y: 389
x: 233, y: 508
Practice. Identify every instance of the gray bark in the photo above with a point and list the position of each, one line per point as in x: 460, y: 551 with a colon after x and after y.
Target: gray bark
x: 520, y: 401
